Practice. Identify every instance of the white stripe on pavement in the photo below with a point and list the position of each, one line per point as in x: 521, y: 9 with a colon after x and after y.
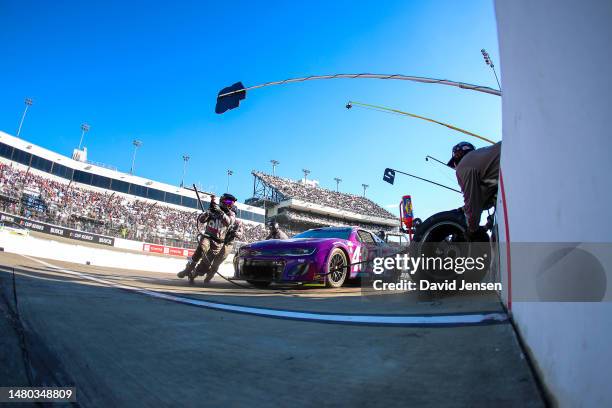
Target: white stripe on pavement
x: 391, y: 320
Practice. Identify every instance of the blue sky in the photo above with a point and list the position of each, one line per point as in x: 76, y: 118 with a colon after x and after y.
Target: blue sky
x: 152, y: 71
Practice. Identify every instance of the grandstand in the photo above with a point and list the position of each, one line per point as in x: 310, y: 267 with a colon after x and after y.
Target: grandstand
x: 45, y: 186
x: 41, y: 185
x: 298, y: 206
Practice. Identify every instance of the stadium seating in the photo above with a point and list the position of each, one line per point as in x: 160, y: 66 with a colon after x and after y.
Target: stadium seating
x: 316, y: 195
x: 318, y: 207
x: 108, y: 213
x: 290, y: 217
x: 105, y: 213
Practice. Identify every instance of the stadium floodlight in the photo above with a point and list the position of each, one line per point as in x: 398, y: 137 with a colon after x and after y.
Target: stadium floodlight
x: 306, y: 173
x: 230, y: 97
x: 84, y: 129
x: 28, y: 102
x: 365, y: 186
x: 185, y: 160
x: 338, y: 180
x: 137, y: 143
x: 229, y: 174
x: 489, y: 62
x: 274, y: 164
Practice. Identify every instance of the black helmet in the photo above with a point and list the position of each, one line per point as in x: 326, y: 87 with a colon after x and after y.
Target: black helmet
x: 228, y: 196
x: 465, y: 148
x: 227, y: 200
x: 273, y: 225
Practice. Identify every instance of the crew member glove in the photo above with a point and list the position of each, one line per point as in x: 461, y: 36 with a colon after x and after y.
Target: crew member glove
x: 214, y: 207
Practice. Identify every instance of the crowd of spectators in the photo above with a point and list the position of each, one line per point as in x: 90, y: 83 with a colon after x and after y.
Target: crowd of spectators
x: 254, y: 232
x: 296, y: 221
x: 317, y: 195
x: 108, y: 213
x: 105, y: 213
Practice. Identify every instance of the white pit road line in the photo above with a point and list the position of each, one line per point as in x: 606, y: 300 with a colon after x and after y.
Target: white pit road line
x: 385, y: 320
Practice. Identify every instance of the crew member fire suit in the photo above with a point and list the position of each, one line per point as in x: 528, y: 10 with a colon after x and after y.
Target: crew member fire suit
x: 275, y: 232
x: 211, y: 251
x: 478, y: 176
x: 235, y: 232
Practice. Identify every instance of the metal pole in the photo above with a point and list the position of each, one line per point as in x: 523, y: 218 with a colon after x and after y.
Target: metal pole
x: 229, y: 173
x: 365, y: 186
x: 428, y: 181
x: 185, y: 160
x: 28, y: 103
x: 133, y: 160
x: 434, y: 159
x: 496, y: 78
x: 137, y: 144
x: 195, y: 188
x: 350, y: 104
x: 338, y: 180
x: 306, y: 173
x: 274, y: 164
x: 462, y: 85
x: 84, y: 129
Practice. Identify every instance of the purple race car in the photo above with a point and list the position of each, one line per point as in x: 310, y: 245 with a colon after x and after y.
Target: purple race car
x: 308, y: 257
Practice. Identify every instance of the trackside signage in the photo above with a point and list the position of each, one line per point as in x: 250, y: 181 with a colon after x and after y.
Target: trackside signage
x: 58, y: 231
x: 166, y: 250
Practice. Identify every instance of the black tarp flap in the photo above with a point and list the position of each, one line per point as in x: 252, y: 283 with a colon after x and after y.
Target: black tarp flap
x: 230, y: 101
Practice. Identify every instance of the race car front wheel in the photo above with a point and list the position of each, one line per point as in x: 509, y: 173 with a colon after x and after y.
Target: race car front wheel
x: 337, y: 268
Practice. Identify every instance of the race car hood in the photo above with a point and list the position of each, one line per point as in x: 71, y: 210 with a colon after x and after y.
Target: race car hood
x: 292, y: 243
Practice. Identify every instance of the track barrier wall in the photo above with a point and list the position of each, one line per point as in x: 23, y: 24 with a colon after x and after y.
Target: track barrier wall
x: 98, y: 255
x: 556, y: 168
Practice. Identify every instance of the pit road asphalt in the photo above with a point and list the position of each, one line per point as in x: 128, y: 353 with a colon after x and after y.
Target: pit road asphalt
x: 120, y: 348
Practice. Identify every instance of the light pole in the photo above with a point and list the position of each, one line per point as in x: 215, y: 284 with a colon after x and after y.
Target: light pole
x: 28, y: 103
x: 338, y: 180
x: 137, y: 143
x: 229, y: 174
x: 274, y: 164
x: 185, y: 160
x: 306, y: 173
x: 489, y: 62
x: 84, y: 129
x: 365, y: 186
x: 437, y: 160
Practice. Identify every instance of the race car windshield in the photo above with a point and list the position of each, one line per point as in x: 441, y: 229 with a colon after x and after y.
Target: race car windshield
x: 325, y: 233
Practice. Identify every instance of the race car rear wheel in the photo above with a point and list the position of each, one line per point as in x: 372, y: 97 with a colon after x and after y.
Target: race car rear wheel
x: 337, y: 267
x: 442, y: 236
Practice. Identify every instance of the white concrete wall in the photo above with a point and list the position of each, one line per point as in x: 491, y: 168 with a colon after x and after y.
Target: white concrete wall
x: 97, y: 255
x: 128, y: 244
x: 556, y: 59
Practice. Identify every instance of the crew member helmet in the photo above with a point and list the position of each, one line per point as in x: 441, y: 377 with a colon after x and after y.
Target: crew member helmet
x: 227, y: 200
x: 460, y: 150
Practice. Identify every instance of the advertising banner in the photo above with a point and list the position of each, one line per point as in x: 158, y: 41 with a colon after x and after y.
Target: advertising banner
x: 56, y: 230
x: 166, y: 250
